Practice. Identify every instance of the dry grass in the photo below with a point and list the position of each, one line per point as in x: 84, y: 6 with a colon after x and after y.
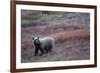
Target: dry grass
x: 70, y: 34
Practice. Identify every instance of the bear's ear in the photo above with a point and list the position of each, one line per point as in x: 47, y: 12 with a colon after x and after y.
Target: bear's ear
x: 32, y: 37
x: 38, y: 37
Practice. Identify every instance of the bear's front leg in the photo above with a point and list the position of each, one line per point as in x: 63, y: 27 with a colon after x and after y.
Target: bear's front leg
x: 36, y: 51
x: 41, y: 51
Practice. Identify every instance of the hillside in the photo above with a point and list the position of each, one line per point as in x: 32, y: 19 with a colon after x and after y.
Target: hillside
x: 70, y: 30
